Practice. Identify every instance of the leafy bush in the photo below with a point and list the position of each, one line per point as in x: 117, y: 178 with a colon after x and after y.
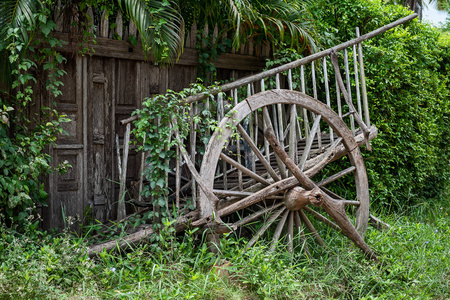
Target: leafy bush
x: 24, y: 138
x: 407, y: 82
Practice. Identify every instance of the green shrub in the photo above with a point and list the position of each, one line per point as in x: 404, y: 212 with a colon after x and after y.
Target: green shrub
x: 407, y: 82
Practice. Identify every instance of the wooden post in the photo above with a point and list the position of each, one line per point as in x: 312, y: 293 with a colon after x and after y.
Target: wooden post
x: 121, y: 211
x: 363, y: 81
x: 305, y: 113
x: 327, y: 92
x: 349, y: 88
x: 238, y: 146
x: 119, y: 23
x: 192, y: 142
x: 313, y: 74
x: 266, y: 143
x: 104, y: 25
x: 358, y: 94
x: 141, y: 173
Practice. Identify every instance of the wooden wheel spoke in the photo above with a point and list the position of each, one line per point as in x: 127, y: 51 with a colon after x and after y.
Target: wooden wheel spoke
x: 265, y: 179
x: 322, y: 218
x: 293, y: 134
x: 263, y: 229
x: 336, y: 210
x: 311, y: 229
x: 315, y: 165
x: 268, y: 125
x: 298, y: 224
x: 279, y: 151
x: 278, y: 230
x: 336, y: 176
x: 228, y: 193
x: 244, y: 169
x: 255, y: 215
x: 290, y: 232
x: 337, y: 197
x: 309, y: 142
x: 258, y: 153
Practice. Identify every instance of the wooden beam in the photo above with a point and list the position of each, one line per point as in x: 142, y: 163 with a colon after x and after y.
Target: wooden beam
x: 106, y: 47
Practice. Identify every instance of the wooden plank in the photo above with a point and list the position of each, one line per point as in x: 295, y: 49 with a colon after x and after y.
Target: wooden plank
x: 104, y: 24
x: 305, y: 112
x: 290, y: 232
x: 119, y: 23
x: 84, y: 72
x: 319, y: 131
x: 311, y: 228
x: 228, y: 193
x: 309, y: 142
x: 106, y: 47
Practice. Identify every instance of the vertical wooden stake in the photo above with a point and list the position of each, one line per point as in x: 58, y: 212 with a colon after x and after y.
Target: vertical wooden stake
x: 121, y: 211
x: 358, y: 95
x: 349, y: 88
x: 363, y: 82
x: 192, y: 142
x: 266, y: 143
x: 141, y: 176
x: 313, y: 74
x: 104, y: 26
x: 238, y: 146
x: 327, y: 92
x: 305, y: 113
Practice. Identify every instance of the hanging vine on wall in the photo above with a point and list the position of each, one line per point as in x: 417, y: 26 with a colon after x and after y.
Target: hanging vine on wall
x: 23, y: 137
x: 155, y: 128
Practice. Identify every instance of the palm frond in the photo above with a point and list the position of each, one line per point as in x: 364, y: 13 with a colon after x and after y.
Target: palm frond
x: 160, y: 25
x: 15, y: 14
x: 269, y: 18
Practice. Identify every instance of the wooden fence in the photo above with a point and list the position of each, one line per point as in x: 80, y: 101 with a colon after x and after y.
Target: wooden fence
x: 99, y: 91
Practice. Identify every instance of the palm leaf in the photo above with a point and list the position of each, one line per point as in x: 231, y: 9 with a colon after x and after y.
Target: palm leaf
x: 17, y: 14
x: 14, y: 14
x: 161, y: 27
x: 268, y: 18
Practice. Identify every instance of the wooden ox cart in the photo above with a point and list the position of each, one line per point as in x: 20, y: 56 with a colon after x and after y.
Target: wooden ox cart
x: 287, y: 154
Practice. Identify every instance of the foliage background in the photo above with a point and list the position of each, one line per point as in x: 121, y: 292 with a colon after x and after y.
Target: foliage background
x: 407, y: 81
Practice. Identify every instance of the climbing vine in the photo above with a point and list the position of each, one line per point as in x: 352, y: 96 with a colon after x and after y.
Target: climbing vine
x: 159, y: 118
x: 24, y: 137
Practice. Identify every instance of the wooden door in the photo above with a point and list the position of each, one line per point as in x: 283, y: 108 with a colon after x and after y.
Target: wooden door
x: 66, y: 191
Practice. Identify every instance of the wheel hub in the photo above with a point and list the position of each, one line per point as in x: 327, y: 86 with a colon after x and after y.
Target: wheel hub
x: 297, y: 198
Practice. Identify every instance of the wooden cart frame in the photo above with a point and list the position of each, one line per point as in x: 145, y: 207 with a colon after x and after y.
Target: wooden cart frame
x: 274, y: 152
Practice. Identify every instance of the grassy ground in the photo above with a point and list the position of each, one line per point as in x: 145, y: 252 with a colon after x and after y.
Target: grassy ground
x: 414, y: 264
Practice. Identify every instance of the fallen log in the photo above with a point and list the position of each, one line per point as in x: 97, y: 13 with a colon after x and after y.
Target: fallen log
x: 378, y: 224
x: 180, y: 225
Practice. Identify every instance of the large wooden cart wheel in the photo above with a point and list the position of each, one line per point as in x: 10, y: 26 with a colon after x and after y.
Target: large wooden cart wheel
x: 293, y: 184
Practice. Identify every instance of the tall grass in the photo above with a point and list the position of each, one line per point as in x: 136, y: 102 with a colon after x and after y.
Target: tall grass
x: 414, y: 264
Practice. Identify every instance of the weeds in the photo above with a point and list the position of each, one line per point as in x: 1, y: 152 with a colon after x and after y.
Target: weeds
x: 414, y: 255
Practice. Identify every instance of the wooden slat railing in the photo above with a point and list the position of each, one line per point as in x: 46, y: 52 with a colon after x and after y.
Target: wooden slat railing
x: 319, y: 76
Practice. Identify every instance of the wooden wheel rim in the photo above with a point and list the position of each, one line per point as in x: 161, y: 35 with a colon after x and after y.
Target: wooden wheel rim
x: 221, y: 137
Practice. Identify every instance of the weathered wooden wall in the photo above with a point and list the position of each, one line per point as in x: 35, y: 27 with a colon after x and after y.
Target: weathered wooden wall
x: 100, y: 90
